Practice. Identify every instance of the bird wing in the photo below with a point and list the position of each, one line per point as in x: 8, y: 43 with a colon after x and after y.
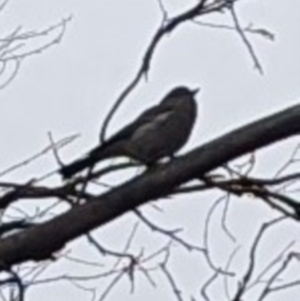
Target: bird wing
x: 152, y: 125
x: 149, y: 119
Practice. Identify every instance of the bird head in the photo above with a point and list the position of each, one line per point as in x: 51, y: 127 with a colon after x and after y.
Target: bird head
x: 180, y: 94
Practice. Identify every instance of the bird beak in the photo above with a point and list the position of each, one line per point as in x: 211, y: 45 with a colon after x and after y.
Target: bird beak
x: 195, y: 91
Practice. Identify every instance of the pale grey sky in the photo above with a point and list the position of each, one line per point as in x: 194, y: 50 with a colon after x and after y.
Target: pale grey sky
x: 69, y: 89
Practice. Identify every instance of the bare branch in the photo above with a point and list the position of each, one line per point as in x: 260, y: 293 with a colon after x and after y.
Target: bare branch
x: 146, y: 187
x: 13, y: 46
x: 245, y: 282
x: 177, y: 292
x: 283, y: 267
x: 207, y: 285
x: 257, y: 64
x: 164, y: 30
x: 249, y: 29
x: 170, y: 233
x: 61, y: 143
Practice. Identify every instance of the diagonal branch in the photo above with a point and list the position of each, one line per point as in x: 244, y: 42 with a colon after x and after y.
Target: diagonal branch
x: 41, y: 241
x: 161, y: 32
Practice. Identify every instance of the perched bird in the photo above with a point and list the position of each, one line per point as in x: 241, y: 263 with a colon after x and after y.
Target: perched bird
x: 157, y: 133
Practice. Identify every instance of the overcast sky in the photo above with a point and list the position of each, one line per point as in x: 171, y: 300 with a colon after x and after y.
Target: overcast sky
x: 70, y: 88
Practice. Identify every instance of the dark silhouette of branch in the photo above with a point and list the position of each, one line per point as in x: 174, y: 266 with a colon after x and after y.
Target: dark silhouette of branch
x: 151, y: 185
x: 16, y: 225
x: 169, y: 233
x: 13, y: 46
x: 249, y: 47
x: 249, y: 28
x: 59, y: 144
x: 246, y: 279
x: 164, y: 30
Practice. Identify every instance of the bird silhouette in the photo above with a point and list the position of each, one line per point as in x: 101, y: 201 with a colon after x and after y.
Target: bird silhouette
x: 158, y: 132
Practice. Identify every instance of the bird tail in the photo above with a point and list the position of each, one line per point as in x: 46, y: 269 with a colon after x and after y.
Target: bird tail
x: 75, y: 167
x: 97, y: 154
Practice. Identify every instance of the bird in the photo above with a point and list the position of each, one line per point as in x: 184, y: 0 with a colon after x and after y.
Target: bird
x: 158, y: 132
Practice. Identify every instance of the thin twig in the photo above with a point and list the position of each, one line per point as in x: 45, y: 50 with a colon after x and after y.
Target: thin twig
x: 257, y: 64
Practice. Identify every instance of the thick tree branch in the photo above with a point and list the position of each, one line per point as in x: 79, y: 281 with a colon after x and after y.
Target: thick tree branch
x: 41, y: 241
